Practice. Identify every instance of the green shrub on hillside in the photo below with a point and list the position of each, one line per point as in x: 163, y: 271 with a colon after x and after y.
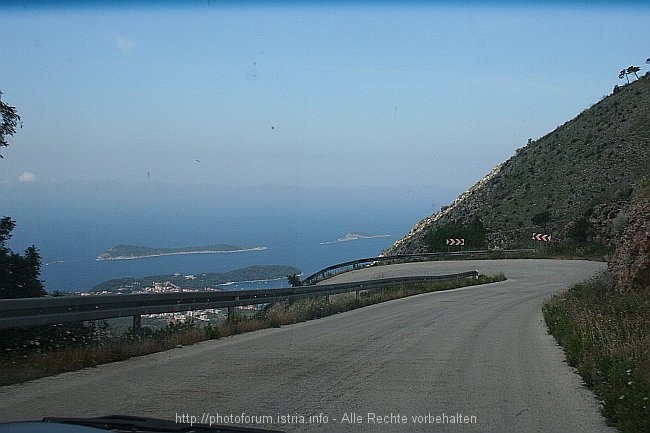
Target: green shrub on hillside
x: 474, y: 234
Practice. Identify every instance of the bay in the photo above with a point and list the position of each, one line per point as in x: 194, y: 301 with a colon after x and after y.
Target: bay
x: 298, y: 226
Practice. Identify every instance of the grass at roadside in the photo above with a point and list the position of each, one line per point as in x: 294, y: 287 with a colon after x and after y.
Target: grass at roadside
x: 28, y: 361
x: 606, y: 336
x: 284, y: 313
x: 23, y: 364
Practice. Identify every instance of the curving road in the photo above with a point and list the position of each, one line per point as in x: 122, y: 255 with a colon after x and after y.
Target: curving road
x: 479, y: 354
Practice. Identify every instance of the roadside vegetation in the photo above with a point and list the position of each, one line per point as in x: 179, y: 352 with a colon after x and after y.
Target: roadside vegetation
x: 30, y: 353
x: 606, y: 336
x: 576, y: 245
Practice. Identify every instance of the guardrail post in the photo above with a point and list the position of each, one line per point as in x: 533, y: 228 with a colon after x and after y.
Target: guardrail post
x: 231, y: 311
x: 137, y: 324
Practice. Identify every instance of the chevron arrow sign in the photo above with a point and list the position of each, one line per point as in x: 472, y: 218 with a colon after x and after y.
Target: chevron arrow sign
x: 455, y: 242
x: 541, y: 237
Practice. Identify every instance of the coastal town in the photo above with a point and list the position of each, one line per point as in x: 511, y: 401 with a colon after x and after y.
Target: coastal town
x: 204, y: 316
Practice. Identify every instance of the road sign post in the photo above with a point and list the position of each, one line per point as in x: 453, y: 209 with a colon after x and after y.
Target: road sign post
x: 543, y: 238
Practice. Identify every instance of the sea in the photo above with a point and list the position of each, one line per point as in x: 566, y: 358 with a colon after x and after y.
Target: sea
x: 299, y: 226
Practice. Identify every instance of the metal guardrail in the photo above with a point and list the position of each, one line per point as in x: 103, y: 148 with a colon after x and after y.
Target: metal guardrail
x: 354, y: 263
x: 15, y: 313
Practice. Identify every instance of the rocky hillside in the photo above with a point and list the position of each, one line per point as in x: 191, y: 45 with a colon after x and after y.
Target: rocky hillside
x: 576, y: 184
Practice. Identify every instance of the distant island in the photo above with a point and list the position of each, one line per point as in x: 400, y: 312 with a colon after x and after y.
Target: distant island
x: 203, y: 281
x: 129, y: 252
x: 355, y: 237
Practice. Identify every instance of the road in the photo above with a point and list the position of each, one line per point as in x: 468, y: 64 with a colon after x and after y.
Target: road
x: 481, y: 352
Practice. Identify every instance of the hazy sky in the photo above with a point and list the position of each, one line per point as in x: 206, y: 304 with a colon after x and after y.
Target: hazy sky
x: 278, y: 94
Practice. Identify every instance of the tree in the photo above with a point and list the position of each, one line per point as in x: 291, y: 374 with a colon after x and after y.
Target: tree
x: 623, y: 74
x: 19, y: 275
x: 294, y: 280
x: 6, y: 227
x: 633, y: 70
x: 542, y: 219
x: 10, y: 121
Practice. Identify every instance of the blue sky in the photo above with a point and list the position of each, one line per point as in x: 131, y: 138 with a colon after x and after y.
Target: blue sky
x: 318, y: 95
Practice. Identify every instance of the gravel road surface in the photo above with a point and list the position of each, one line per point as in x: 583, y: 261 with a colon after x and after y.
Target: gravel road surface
x: 474, y: 359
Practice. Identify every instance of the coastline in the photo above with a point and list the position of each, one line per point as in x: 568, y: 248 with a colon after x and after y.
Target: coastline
x: 102, y: 259
x: 231, y: 283
x: 354, y: 237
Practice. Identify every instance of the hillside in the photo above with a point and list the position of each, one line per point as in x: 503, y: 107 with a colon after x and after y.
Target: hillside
x: 202, y: 281
x: 575, y: 183
x: 126, y: 252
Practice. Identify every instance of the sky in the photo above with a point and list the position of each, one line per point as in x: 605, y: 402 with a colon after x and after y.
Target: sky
x: 281, y: 94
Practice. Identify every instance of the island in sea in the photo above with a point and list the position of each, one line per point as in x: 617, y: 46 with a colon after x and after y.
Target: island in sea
x: 355, y: 236
x: 128, y: 252
x: 195, y: 282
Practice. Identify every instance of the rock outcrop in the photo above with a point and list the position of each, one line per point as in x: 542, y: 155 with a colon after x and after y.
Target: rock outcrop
x: 631, y: 262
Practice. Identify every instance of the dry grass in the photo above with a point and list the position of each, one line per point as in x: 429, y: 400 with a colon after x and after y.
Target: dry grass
x: 23, y: 365
x: 284, y: 313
